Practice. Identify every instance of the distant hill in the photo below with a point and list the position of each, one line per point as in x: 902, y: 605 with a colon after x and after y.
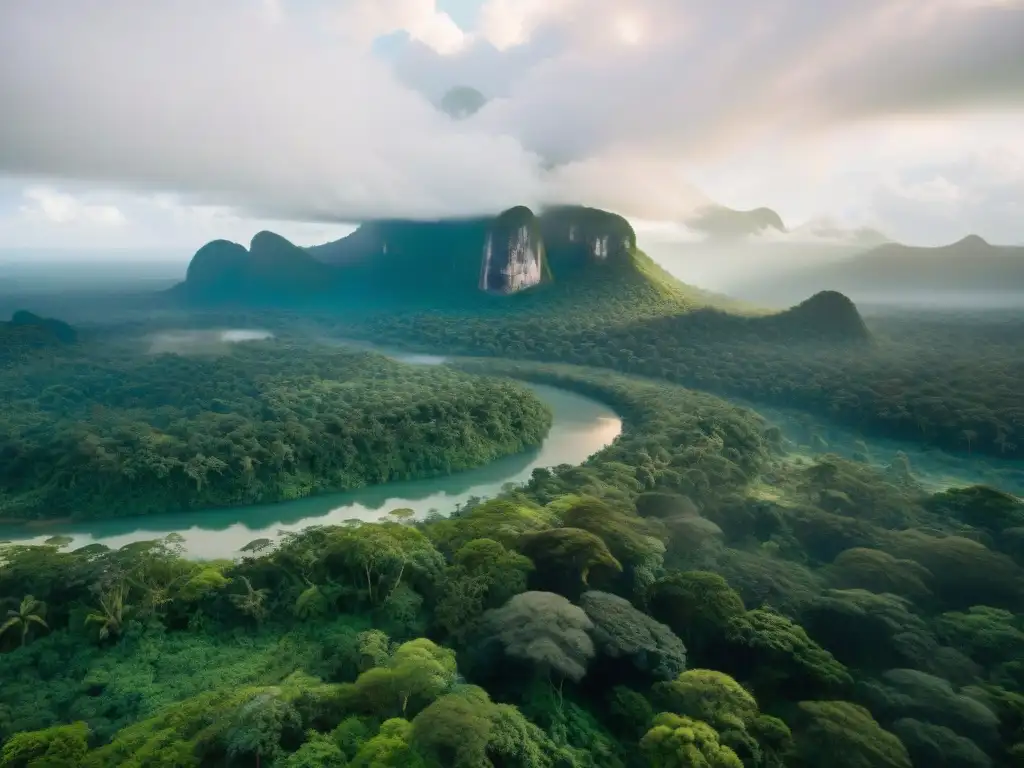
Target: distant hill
x: 271, y: 271
x: 571, y: 265
x: 721, y: 222
x: 444, y: 263
x: 26, y: 332
x: 892, y: 270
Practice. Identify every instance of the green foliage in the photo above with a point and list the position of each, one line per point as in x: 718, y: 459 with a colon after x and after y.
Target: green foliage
x: 631, y: 539
x: 862, y: 628
x: 376, y: 558
x: 964, y: 572
x: 844, y: 735
x: 988, y: 635
x: 678, y: 441
x: 455, y: 729
x: 60, y: 746
x: 227, y: 726
x: 680, y: 742
x: 390, y: 748
x: 697, y: 605
x: 708, y: 695
x: 979, y: 506
x: 878, y: 571
x: 259, y: 726
x: 903, y: 693
x: 140, y: 434
x: 63, y: 677
x: 545, y: 630
x: 622, y: 631
x: 918, y: 380
x: 775, y: 655
x: 502, y: 520
x: 862, y: 586
x: 631, y: 711
x: 764, y: 579
x: 30, y: 612
x: 317, y: 752
x: 936, y: 745
x: 483, y: 575
x: 565, y: 557
x: 718, y: 700
x: 413, y: 676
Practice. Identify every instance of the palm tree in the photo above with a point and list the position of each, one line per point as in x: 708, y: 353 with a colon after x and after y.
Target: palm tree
x: 251, y: 601
x: 29, y: 612
x: 111, y: 613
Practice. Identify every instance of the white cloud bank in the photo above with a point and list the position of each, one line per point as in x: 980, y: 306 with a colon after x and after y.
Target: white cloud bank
x: 850, y: 108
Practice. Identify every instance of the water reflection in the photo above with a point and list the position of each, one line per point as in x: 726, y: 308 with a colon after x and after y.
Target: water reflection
x: 581, y: 428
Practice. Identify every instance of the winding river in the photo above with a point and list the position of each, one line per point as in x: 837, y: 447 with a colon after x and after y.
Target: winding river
x: 581, y: 427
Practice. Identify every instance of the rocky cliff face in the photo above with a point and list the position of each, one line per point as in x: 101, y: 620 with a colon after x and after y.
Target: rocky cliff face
x: 576, y: 236
x: 446, y: 262
x: 513, y: 253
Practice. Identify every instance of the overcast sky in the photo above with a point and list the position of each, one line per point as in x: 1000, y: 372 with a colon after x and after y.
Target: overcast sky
x: 168, y: 123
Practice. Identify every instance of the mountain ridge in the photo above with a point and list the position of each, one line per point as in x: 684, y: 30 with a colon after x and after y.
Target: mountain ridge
x: 968, y: 265
x: 567, y: 262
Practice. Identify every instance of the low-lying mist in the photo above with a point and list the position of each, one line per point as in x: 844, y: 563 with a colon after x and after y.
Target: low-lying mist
x: 205, y: 342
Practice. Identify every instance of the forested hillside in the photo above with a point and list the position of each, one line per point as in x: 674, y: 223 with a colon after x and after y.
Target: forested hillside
x: 949, y: 383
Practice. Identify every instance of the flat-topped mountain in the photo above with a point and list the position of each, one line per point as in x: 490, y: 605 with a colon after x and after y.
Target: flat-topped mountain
x: 415, y: 261
x: 568, y: 263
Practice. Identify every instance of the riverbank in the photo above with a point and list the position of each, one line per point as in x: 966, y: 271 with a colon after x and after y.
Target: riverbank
x: 580, y: 427
x: 114, y: 430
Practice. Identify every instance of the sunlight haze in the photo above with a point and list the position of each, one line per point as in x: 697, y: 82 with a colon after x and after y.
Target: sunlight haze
x: 189, y: 120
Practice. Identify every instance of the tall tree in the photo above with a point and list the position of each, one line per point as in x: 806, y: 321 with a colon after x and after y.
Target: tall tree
x: 29, y: 612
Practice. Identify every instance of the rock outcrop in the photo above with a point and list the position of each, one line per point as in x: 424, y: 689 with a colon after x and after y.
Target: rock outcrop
x: 446, y: 262
x: 513, y: 253
x: 272, y: 268
x: 576, y: 237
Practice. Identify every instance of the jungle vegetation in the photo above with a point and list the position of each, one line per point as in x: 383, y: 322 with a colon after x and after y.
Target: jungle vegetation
x: 107, y: 430
x: 691, y: 596
x: 943, y: 381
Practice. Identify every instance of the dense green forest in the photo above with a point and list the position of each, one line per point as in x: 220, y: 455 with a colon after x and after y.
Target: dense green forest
x: 691, y: 596
x: 107, y: 430
x: 949, y: 382
x: 694, y: 595
x: 27, y: 334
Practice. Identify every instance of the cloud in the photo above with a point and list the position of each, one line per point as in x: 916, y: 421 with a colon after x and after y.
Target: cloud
x: 61, y: 208
x: 74, y: 217
x: 362, y: 21
x: 981, y: 192
x: 213, y: 100
x: 279, y: 107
